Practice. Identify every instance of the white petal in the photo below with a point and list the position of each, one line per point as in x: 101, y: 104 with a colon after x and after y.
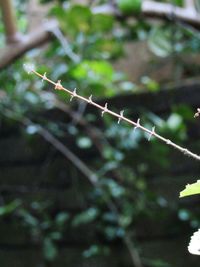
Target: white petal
x: 194, y: 245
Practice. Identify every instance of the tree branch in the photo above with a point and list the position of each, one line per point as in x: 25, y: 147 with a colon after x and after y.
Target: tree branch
x: 153, y: 9
x: 120, y: 116
x: 168, y: 11
x: 150, y: 9
x: 92, y: 177
x: 9, y: 20
x: 34, y: 39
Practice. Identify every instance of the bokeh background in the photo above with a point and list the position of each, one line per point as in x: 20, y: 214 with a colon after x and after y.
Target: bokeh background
x: 78, y: 189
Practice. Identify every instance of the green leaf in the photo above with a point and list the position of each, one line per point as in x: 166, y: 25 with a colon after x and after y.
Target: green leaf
x: 28, y: 218
x: 85, y: 217
x: 74, y: 20
x: 84, y: 142
x: 93, y: 71
x: 9, y: 208
x: 130, y: 6
x: 61, y: 218
x: 179, y: 2
x: 191, y: 189
x: 92, y: 251
x: 49, y: 249
x: 160, y: 42
x: 102, y: 23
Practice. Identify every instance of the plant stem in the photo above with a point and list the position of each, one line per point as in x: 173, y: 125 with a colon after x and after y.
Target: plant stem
x: 9, y: 20
x: 104, y: 109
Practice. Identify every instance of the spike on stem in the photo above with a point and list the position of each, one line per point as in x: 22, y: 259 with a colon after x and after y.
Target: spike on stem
x: 120, y: 116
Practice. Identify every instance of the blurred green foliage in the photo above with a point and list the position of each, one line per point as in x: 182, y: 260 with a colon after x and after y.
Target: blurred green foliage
x: 92, y: 43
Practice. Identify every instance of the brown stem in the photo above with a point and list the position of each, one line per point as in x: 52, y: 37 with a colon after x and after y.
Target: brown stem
x: 120, y: 117
x: 153, y: 9
x: 13, y: 51
x: 9, y: 20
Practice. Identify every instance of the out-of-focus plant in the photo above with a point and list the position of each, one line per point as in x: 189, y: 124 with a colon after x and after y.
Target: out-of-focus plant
x: 81, y: 57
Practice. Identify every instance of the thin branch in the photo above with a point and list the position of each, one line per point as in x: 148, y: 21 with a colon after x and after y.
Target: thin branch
x: 9, y: 21
x: 92, y: 177
x: 13, y: 51
x: 120, y: 117
x: 65, y: 44
x: 167, y: 11
x: 153, y: 9
x: 133, y: 251
x: 80, y: 165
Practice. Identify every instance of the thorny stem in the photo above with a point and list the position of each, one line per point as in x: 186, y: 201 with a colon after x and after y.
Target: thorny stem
x: 137, y: 125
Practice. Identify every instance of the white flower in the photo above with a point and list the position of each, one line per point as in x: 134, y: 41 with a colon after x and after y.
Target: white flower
x: 194, y: 245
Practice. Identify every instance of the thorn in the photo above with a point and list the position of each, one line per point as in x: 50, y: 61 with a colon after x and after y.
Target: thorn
x: 90, y: 99
x: 152, y: 133
x: 168, y: 142
x: 197, y: 113
x: 137, y: 125
x: 105, y: 109
x: 44, y: 77
x: 58, y: 85
x: 73, y: 94
x: 121, y: 116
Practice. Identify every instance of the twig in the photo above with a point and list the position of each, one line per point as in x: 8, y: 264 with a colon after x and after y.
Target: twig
x: 105, y: 109
x: 80, y: 165
x: 92, y: 177
x: 153, y: 9
x: 34, y: 39
x: 133, y: 251
x: 65, y: 44
x: 150, y: 9
x: 166, y: 11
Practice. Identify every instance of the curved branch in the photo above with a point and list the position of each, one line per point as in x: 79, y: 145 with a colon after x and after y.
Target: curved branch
x: 153, y: 9
x: 34, y: 39
x: 150, y: 9
x: 168, y: 11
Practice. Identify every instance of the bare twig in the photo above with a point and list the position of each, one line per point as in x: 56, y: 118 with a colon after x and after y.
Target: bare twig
x: 65, y: 44
x: 92, y: 177
x: 153, y: 9
x: 80, y: 165
x: 166, y: 11
x: 120, y: 117
x: 133, y: 251
x: 9, y: 20
x: 13, y: 51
